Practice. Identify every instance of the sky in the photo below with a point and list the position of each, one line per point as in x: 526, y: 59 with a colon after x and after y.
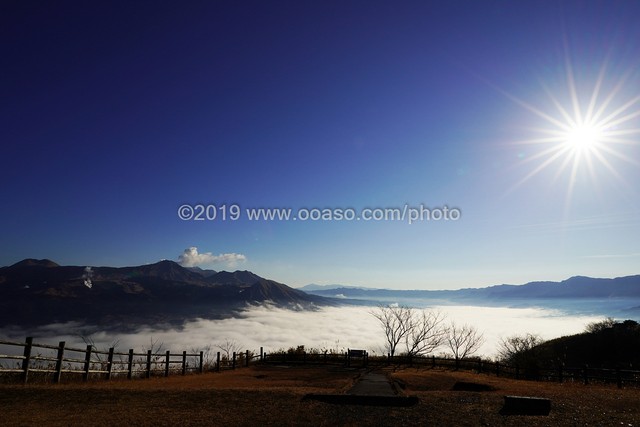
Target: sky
x: 522, y: 118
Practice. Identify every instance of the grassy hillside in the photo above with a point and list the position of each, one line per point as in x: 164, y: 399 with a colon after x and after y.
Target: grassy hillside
x: 604, y: 346
x: 274, y: 395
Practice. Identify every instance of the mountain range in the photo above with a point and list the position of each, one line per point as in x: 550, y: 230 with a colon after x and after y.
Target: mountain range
x: 574, y: 287
x: 579, y: 295
x: 38, y: 292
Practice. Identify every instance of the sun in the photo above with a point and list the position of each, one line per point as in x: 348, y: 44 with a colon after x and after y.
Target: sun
x: 584, y: 131
x: 584, y: 137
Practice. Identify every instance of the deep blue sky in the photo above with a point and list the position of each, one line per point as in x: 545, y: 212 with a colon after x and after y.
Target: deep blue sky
x: 115, y: 114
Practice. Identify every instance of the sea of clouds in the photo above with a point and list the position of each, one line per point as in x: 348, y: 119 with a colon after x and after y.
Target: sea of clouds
x: 332, y: 328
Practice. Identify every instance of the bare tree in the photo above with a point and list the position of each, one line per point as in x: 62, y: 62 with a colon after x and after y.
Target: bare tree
x: 425, y: 333
x: 88, y: 340
x: 228, y: 347
x: 463, y: 341
x: 513, y: 349
x: 606, y: 323
x: 523, y: 351
x: 395, y: 320
x: 420, y: 330
x: 207, y: 357
x: 155, y: 346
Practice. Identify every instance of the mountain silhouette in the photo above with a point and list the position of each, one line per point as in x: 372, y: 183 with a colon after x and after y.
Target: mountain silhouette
x: 39, y: 292
x: 31, y: 262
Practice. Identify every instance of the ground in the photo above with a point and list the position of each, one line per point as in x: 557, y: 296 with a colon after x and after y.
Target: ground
x: 274, y: 395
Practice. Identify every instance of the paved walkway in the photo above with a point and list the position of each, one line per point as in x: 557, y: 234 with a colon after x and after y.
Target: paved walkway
x: 372, y: 384
x: 373, y: 388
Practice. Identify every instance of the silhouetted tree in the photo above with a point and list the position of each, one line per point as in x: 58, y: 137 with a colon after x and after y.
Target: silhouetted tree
x: 426, y: 332
x: 512, y: 349
x: 396, y: 321
x: 463, y: 341
x: 601, y: 325
x: 522, y: 351
x: 227, y: 348
x: 420, y: 330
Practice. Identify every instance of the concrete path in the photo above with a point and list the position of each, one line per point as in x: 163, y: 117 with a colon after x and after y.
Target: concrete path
x: 372, y: 384
x: 373, y: 388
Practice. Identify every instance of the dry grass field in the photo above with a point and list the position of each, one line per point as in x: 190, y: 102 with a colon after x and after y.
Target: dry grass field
x: 274, y: 396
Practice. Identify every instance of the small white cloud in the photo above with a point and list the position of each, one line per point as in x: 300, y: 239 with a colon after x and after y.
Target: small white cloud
x: 191, y: 258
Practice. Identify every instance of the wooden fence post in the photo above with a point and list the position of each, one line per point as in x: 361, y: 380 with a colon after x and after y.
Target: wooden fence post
x: 166, y: 364
x: 246, y: 360
x: 201, y: 367
x: 234, y: 360
x: 218, y: 362
x: 130, y: 365
x: 58, y: 373
x: 560, y: 373
x: 148, y: 373
x: 433, y: 362
x: 618, y: 377
x: 261, y: 355
x: 87, y: 363
x: 585, y: 374
x: 110, y: 363
x: 27, y: 358
x: 184, y: 362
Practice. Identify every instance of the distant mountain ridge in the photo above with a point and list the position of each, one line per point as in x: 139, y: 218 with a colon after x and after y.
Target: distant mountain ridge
x: 574, y: 287
x: 38, y: 292
x: 315, y: 287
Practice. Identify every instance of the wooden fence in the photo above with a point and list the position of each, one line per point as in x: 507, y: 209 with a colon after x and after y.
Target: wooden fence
x: 91, y: 363
x: 560, y: 373
x: 584, y: 374
x: 350, y: 358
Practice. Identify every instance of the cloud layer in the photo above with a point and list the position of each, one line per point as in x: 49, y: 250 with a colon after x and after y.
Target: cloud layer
x: 191, y: 258
x: 332, y: 328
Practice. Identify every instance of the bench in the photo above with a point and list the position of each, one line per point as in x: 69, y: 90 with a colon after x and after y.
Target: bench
x: 524, y: 405
x: 357, y: 354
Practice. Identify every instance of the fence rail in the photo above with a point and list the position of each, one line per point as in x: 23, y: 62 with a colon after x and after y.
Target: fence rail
x: 350, y: 358
x: 559, y: 373
x: 90, y: 362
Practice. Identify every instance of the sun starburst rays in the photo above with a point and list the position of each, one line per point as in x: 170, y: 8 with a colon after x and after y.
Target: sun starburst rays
x: 576, y: 135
